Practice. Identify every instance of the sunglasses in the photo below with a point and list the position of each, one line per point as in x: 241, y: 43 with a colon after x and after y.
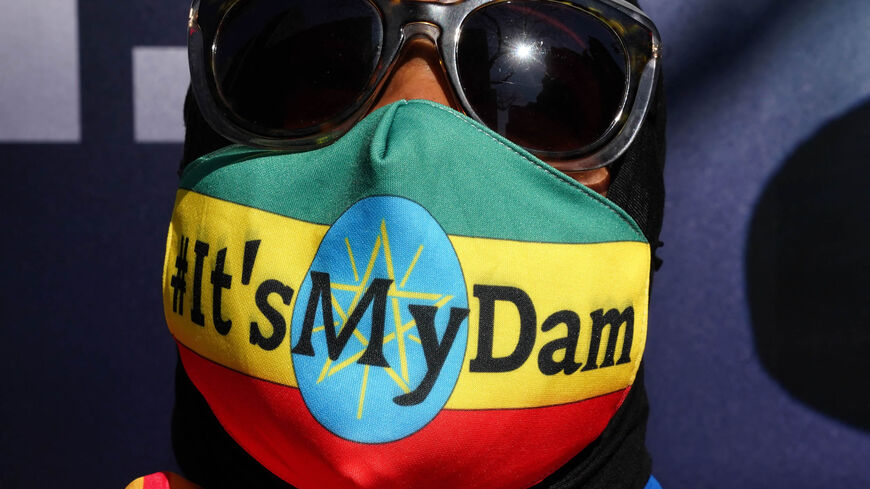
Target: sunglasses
x: 570, y: 81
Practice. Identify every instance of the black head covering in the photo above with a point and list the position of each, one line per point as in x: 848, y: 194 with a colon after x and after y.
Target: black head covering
x: 618, y: 459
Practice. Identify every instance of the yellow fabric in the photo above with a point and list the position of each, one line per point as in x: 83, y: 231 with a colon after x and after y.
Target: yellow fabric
x: 137, y: 484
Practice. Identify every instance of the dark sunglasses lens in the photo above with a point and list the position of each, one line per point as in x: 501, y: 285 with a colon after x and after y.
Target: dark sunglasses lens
x: 547, y: 76
x: 291, y: 65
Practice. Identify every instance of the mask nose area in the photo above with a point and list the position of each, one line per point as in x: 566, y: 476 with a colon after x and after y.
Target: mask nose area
x: 410, y: 133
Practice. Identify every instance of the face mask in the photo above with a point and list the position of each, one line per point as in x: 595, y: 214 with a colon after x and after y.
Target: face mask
x: 421, y: 304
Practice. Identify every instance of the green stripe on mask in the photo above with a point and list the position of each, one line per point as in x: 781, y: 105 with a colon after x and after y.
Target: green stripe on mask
x: 474, y: 182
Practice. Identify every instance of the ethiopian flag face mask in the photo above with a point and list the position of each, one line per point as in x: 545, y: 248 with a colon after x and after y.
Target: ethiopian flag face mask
x: 421, y: 304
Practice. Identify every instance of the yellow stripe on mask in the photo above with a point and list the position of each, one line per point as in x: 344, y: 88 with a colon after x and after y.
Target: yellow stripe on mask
x: 592, y: 285
x: 580, y: 278
x: 286, y: 251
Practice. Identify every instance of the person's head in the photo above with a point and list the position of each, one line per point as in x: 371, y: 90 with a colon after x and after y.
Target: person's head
x: 575, y: 83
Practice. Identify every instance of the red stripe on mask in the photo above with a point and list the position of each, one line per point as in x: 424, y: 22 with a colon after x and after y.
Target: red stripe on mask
x: 487, y: 449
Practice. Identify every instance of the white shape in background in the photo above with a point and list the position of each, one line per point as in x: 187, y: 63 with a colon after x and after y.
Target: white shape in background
x: 160, y: 79
x: 39, y: 71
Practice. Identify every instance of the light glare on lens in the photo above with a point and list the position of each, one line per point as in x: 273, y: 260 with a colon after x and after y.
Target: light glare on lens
x: 523, y: 51
x: 553, y: 77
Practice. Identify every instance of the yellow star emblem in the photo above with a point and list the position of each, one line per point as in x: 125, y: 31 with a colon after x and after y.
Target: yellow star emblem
x: 396, y: 292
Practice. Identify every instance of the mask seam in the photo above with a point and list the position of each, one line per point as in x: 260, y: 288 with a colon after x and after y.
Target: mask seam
x: 558, y: 177
x: 392, y: 116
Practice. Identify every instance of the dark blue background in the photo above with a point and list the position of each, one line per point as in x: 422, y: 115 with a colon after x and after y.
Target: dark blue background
x: 89, y: 363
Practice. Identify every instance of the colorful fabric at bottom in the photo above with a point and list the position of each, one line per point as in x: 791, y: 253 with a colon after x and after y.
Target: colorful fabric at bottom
x: 162, y: 480
x: 169, y: 480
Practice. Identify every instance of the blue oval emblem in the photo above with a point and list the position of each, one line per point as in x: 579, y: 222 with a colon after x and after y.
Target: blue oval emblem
x: 388, y: 279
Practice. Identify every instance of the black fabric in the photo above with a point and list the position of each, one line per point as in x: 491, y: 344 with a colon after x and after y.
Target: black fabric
x: 618, y: 459
x: 637, y: 178
x: 199, y: 138
x: 206, y: 454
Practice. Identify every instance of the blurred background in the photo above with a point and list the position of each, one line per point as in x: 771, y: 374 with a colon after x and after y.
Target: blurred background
x: 757, y: 360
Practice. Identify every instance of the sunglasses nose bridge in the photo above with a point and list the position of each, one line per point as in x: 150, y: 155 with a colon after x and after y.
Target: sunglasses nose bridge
x: 418, y: 30
x: 421, y: 29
